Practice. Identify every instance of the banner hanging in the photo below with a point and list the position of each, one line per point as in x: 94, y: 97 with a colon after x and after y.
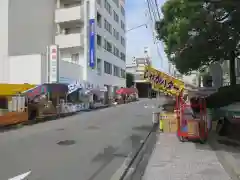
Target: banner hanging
x: 163, y: 82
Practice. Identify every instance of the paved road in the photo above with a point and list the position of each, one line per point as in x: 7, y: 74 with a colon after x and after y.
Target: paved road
x: 88, y: 146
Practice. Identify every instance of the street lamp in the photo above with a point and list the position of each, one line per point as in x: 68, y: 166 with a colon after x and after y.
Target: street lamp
x: 137, y: 27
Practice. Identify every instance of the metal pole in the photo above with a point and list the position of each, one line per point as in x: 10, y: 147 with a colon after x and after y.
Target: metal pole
x: 48, y: 69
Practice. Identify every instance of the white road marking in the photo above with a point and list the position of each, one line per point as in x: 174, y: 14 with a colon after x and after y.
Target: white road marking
x: 21, y: 176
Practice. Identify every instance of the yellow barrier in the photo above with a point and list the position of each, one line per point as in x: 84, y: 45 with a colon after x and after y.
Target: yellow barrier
x: 13, y: 89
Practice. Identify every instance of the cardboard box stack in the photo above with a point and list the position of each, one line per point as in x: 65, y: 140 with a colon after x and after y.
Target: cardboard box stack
x: 193, y: 127
x: 169, y: 120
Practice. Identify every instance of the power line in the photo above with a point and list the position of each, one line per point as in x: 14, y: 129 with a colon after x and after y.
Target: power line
x: 154, y: 16
x: 153, y: 10
x: 158, y: 13
x: 149, y: 10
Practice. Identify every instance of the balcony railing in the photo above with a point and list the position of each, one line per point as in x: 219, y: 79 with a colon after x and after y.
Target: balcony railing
x: 70, y: 40
x: 69, y: 14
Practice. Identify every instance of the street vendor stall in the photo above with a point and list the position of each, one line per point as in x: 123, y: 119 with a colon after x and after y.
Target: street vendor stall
x: 193, y: 120
x: 13, y: 105
x: 191, y: 117
x: 127, y: 94
x: 13, y: 110
x: 44, y: 100
x: 172, y: 87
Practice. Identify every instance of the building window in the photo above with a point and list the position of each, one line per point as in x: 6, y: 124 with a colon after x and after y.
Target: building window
x: 107, y: 46
x: 108, y: 7
x: 116, y: 2
x: 107, y: 26
x: 123, y: 41
x: 122, y: 11
x: 99, y: 40
x: 99, y: 2
x: 123, y: 73
x: 99, y: 66
x: 122, y: 25
x: 116, y: 17
x: 116, y: 51
x: 122, y: 56
x: 116, y: 34
x: 75, y: 58
x: 107, y: 67
x: 99, y: 19
x: 116, y: 71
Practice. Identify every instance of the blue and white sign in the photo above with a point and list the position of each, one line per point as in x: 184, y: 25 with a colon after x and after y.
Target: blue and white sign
x: 92, y: 43
x: 73, y: 87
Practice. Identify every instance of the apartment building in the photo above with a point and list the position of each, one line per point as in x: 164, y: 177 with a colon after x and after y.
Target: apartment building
x: 90, y: 35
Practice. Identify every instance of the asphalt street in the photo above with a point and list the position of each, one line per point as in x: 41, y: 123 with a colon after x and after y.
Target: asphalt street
x: 88, y: 146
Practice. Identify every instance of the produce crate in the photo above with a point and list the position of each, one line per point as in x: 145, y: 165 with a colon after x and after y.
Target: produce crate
x: 193, y: 127
x: 169, y: 122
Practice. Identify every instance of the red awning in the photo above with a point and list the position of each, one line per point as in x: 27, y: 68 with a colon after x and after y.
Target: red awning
x: 126, y: 91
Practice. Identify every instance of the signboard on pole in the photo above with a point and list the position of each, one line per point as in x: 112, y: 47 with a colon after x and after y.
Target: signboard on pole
x: 92, y: 43
x: 53, y: 63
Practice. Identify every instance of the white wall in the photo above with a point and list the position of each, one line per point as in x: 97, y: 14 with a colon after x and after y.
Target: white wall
x: 26, y: 69
x: 131, y: 69
x: 69, y: 72
x: 3, y: 40
x: 189, y: 78
x: 31, y: 26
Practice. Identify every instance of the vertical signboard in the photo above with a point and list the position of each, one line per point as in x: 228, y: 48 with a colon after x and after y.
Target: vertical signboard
x: 92, y: 43
x: 53, y: 63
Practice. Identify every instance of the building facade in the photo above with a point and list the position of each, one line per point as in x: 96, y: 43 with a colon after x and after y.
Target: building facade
x: 90, y: 35
x: 137, y: 68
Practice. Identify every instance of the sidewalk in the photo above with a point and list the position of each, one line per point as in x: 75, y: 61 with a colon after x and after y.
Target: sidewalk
x: 173, y: 160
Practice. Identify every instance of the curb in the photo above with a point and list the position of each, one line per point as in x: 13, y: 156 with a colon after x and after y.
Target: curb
x: 137, y: 157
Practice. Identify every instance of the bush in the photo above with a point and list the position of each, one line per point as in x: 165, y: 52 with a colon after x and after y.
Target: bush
x: 225, y: 96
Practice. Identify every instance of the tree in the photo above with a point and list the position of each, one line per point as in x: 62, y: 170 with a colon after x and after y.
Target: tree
x: 199, y: 33
x: 129, y: 80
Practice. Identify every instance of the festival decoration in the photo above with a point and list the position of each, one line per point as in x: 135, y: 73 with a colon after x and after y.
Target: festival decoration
x: 163, y: 82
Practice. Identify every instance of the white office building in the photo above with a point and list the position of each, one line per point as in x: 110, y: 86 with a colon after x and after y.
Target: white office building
x: 90, y: 35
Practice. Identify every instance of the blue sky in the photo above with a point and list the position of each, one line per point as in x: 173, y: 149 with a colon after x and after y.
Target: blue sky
x: 139, y: 38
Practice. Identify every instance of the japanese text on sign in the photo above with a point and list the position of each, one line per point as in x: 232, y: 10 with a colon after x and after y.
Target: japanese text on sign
x: 163, y: 82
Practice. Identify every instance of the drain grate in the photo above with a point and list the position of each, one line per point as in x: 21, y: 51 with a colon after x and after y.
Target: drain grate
x: 66, y: 142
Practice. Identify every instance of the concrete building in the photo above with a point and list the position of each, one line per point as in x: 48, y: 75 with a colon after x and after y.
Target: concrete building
x: 90, y: 35
x: 137, y: 68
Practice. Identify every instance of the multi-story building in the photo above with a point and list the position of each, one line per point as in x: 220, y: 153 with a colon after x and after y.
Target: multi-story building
x: 137, y: 68
x: 90, y: 35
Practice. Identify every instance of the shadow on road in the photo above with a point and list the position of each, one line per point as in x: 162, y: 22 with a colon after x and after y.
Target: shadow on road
x: 105, y: 158
x: 141, y: 161
x: 129, y: 145
x: 143, y: 128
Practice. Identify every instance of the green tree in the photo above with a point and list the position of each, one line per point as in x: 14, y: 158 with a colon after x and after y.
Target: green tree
x: 198, y: 33
x: 129, y: 80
